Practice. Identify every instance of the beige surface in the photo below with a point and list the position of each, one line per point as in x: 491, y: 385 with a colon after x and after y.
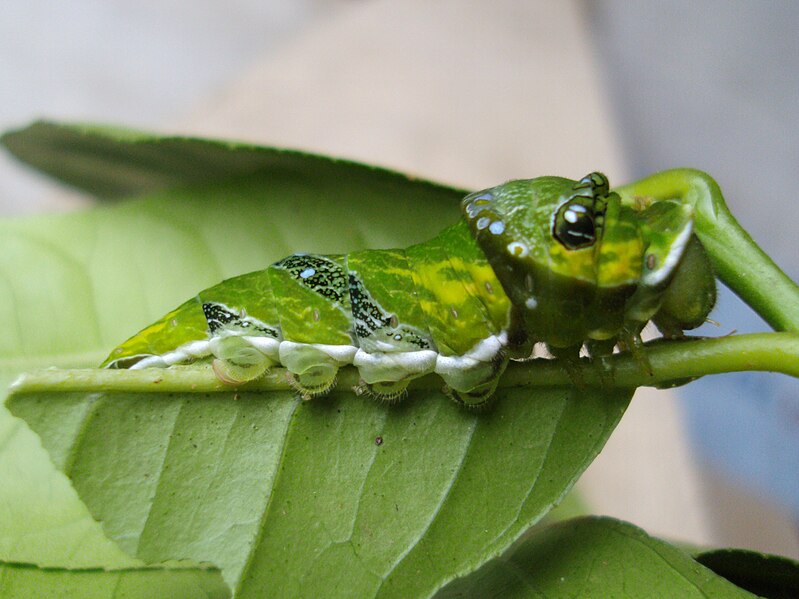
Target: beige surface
x: 465, y: 92
x: 470, y: 93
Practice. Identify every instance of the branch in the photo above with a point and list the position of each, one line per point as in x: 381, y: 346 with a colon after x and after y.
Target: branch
x: 671, y: 362
x: 738, y: 260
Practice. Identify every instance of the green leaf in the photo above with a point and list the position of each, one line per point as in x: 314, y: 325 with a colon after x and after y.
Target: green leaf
x: 286, y: 497
x: 592, y: 557
x: 21, y: 580
x: 73, y: 286
x: 90, y: 279
x: 111, y: 162
x: 42, y: 520
x: 290, y: 497
x: 765, y: 575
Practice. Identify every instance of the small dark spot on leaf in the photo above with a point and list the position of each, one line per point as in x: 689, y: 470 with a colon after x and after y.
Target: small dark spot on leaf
x: 378, y: 441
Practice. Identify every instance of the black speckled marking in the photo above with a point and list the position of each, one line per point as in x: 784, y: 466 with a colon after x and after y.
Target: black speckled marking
x: 369, y: 317
x: 323, y: 276
x: 220, y: 317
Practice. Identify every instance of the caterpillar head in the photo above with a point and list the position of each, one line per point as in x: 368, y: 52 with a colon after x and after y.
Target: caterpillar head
x: 574, y: 262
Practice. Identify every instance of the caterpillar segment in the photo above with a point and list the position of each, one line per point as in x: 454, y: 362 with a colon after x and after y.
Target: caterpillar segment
x: 547, y: 260
x: 378, y: 310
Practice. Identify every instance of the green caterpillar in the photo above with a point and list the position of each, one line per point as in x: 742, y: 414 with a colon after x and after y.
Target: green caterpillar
x: 547, y: 260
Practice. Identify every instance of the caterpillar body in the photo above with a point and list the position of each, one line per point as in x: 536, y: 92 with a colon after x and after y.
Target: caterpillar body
x: 548, y: 260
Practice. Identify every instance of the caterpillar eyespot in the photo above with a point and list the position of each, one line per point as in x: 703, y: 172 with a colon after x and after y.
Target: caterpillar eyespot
x: 547, y: 260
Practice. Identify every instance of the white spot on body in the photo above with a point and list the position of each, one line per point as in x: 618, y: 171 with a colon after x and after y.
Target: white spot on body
x: 476, y: 205
x: 497, y: 227
x: 308, y: 272
x: 517, y: 248
x: 531, y: 303
x: 483, y: 222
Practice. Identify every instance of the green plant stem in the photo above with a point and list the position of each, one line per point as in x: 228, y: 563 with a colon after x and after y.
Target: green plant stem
x: 738, y: 260
x: 670, y: 362
x: 676, y: 362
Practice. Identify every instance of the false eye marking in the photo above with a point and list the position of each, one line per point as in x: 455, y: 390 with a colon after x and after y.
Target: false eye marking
x: 574, y: 225
x: 574, y: 213
x: 576, y: 222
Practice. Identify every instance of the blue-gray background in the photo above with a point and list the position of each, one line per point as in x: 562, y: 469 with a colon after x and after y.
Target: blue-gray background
x: 715, y: 85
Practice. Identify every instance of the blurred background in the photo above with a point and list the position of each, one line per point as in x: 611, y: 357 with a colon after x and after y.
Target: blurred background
x: 470, y: 94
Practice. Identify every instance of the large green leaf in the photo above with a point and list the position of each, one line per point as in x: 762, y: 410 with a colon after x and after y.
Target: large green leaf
x: 74, y: 286
x: 593, y: 557
x: 289, y: 496
x: 286, y: 497
x: 42, y: 520
x: 110, y: 162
